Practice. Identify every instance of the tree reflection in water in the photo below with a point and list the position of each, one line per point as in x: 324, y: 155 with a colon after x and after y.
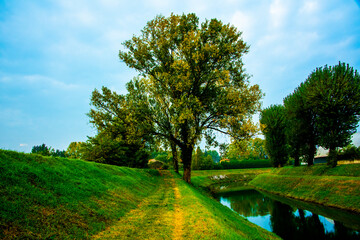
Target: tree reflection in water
x: 286, y: 221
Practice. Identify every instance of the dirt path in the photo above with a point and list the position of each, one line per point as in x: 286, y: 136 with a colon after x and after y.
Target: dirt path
x: 159, y: 216
x: 178, y: 215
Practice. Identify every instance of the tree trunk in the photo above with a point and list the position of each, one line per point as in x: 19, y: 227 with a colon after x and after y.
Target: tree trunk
x: 311, y: 153
x: 186, y: 155
x: 175, y: 157
x: 332, y: 158
x: 296, y: 160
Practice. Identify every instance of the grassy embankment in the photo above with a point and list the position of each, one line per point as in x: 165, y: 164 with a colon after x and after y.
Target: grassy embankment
x: 230, y: 180
x: 72, y: 199
x: 335, y: 187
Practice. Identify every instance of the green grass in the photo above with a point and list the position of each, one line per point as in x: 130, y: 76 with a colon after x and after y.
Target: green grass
x: 336, y: 187
x: 230, y: 180
x: 44, y: 197
x: 211, y: 220
x: 348, y: 170
x: 57, y: 198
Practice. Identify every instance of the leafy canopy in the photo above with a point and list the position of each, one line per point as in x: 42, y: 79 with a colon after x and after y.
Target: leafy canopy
x: 193, y: 79
x: 273, y: 124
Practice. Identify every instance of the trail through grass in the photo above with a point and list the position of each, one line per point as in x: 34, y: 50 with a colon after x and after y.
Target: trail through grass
x: 157, y: 217
x: 176, y: 210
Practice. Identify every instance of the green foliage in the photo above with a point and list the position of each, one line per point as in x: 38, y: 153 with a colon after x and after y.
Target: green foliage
x: 74, y: 150
x: 253, y: 148
x: 53, y: 198
x: 214, y: 155
x: 256, y: 149
x: 334, y: 94
x: 273, y: 124
x: 202, y: 161
x: 324, y: 111
x: 245, y: 163
x: 350, y: 152
x: 42, y: 150
x: 300, y: 129
x: 194, y: 82
x: 163, y: 156
x: 120, y: 139
x: 157, y: 164
x: 104, y: 149
x: 48, y: 151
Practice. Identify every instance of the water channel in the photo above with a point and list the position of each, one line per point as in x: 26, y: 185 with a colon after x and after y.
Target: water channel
x: 291, y: 219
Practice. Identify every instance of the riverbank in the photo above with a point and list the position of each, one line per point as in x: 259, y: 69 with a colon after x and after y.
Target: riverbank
x: 230, y: 180
x: 337, y: 187
x: 58, y: 198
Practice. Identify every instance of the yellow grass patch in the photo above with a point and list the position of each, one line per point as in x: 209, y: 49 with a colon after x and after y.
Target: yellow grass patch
x: 178, y: 215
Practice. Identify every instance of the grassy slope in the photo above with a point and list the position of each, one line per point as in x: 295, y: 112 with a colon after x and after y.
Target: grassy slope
x: 71, y: 199
x: 179, y: 211
x: 217, y: 181
x: 47, y: 197
x: 336, y: 187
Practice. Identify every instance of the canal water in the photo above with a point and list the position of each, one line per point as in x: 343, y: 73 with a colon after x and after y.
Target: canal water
x: 291, y: 219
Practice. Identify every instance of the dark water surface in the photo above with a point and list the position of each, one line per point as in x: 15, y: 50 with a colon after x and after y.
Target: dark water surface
x: 291, y: 219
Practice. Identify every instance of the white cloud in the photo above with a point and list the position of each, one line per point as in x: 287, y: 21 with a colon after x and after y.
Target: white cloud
x: 244, y: 22
x: 309, y: 7
x: 23, y: 144
x: 278, y: 13
x: 44, y: 82
x: 356, y: 139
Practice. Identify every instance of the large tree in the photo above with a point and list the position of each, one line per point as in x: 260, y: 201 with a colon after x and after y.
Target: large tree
x: 192, y: 83
x: 334, y: 94
x: 273, y: 125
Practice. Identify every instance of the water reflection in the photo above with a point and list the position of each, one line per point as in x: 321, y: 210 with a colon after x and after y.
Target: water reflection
x: 289, y: 221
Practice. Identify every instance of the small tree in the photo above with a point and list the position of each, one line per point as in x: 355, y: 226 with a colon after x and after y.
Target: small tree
x: 214, y: 155
x: 120, y: 140
x: 42, y: 150
x: 74, y: 150
x: 202, y: 161
x: 58, y: 153
x: 273, y: 124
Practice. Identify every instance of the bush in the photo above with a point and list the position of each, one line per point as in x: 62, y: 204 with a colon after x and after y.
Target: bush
x: 156, y: 164
x: 349, y: 152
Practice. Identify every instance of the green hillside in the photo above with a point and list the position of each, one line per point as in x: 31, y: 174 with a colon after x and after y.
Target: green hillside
x: 57, y: 198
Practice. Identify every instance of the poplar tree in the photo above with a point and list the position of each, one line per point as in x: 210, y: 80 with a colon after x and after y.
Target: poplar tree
x: 334, y: 95
x: 273, y: 125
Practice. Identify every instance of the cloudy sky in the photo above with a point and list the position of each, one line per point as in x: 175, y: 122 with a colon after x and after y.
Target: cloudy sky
x: 54, y: 53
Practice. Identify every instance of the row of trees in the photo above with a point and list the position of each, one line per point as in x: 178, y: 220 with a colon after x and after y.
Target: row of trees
x: 323, y: 111
x: 48, y: 151
x: 253, y: 148
x: 191, y: 84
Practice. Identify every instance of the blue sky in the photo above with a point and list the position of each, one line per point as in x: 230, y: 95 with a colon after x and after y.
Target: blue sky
x: 54, y: 53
